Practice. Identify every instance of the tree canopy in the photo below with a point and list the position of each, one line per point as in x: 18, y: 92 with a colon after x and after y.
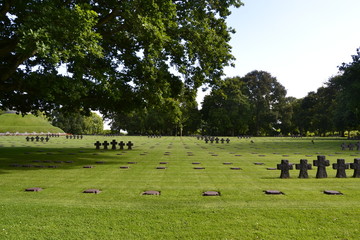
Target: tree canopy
x: 109, y: 55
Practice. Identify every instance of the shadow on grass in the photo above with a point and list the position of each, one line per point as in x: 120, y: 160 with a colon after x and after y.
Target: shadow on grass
x: 30, y: 159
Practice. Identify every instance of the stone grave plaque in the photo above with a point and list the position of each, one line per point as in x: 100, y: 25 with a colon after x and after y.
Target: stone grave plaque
x: 151, y: 192
x: 332, y: 192
x: 34, y: 189
x: 273, y: 192
x: 211, y: 193
x: 96, y: 191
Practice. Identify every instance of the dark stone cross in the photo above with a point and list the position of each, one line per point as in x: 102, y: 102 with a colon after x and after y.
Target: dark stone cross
x: 27, y: 138
x: 129, y: 145
x: 357, y: 146
x: 121, y: 144
x: 351, y: 146
x: 47, y: 139
x: 303, y: 166
x: 285, y: 167
x: 97, y: 144
x: 321, y: 163
x: 206, y: 140
x: 356, y: 167
x: 341, y: 166
x: 113, y: 144
x: 37, y: 138
x: 217, y: 140
x: 32, y: 139
x: 343, y: 146
x: 227, y: 140
x: 211, y: 140
x: 105, y: 144
x: 42, y: 139
x: 222, y: 140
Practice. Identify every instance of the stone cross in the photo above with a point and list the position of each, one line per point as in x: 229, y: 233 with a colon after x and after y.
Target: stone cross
x: 222, y: 140
x: 341, y: 166
x: 211, y: 140
x: 357, y: 146
x: 356, y: 167
x: 27, y: 138
x: 303, y: 166
x: 129, y: 145
x: 343, y: 146
x: 32, y: 139
x: 97, y: 144
x: 121, y: 144
x: 206, y: 140
x: 284, y: 167
x: 351, y: 146
x: 321, y: 163
x: 47, y: 139
x: 105, y: 144
x: 37, y: 138
x: 227, y: 140
x: 113, y: 144
x: 217, y: 140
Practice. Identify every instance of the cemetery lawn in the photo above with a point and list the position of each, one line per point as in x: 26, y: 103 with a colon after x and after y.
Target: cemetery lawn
x: 243, y: 211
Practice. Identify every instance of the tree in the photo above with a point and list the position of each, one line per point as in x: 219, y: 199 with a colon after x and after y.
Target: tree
x: 226, y: 110
x: 116, y: 55
x: 347, y: 85
x: 76, y: 123
x: 267, y: 99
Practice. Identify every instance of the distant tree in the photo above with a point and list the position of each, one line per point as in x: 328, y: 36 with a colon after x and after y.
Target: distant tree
x: 347, y: 85
x: 226, y: 110
x: 267, y: 98
x: 77, y: 123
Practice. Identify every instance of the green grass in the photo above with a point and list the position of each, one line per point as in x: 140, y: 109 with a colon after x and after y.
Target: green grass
x: 243, y: 211
x: 29, y: 123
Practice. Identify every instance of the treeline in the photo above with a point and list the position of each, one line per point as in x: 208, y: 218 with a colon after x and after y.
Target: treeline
x: 257, y: 105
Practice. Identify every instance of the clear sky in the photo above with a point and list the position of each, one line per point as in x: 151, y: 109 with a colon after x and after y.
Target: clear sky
x: 300, y: 42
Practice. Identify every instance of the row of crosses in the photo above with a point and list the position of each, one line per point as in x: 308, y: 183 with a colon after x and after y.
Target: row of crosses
x: 37, y: 138
x: 321, y: 163
x: 113, y: 144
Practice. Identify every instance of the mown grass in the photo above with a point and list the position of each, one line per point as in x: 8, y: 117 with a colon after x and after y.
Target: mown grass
x: 243, y: 211
x: 29, y: 123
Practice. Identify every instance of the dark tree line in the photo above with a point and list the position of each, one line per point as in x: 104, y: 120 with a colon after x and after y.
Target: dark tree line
x: 256, y: 104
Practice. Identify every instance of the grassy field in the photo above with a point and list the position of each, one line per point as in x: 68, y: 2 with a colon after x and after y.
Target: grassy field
x: 13, y: 123
x: 243, y: 211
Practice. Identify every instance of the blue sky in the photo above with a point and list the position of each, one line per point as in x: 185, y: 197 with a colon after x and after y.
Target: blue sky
x: 300, y: 42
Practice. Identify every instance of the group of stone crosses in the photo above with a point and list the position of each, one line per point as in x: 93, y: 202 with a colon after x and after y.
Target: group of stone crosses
x: 154, y: 136
x: 321, y: 163
x: 37, y: 139
x: 113, y: 144
x: 350, y: 146
x: 74, y: 136
x: 212, y: 139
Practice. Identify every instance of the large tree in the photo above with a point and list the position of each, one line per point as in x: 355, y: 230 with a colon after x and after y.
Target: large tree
x: 226, y: 110
x: 108, y: 55
x: 267, y: 98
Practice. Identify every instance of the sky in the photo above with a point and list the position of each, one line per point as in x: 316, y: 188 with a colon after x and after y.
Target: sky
x: 300, y: 42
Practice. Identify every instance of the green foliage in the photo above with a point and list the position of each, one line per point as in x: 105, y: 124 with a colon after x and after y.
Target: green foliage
x: 116, y: 56
x: 77, y: 123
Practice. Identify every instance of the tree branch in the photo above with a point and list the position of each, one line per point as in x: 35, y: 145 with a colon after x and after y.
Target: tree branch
x: 5, y: 8
x: 108, y: 17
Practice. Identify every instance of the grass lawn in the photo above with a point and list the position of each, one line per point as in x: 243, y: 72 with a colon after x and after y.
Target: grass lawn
x: 243, y: 211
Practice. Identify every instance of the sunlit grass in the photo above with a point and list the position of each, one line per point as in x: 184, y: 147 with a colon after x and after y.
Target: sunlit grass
x: 243, y: 211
